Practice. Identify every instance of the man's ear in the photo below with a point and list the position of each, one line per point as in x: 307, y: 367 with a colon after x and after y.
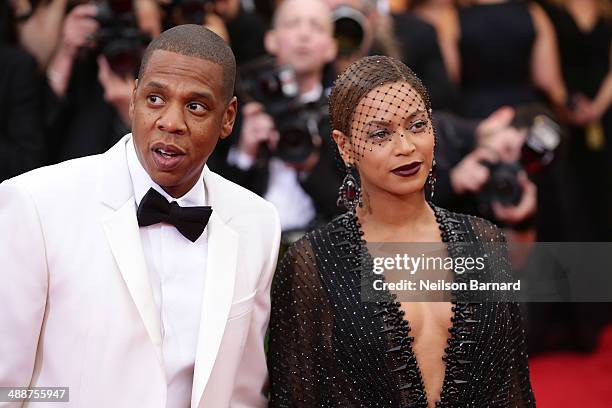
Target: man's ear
x: 133, y: 100
x: 344, y: 147
x: 229, y: 117
x: 271, y: 42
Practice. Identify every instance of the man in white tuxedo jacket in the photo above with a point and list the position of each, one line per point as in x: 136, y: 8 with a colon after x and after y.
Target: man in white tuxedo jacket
x: 110, y: 286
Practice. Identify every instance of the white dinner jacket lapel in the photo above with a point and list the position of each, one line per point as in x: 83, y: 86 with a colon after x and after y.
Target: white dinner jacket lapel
x: 121, y: 229
x: 219, y: 286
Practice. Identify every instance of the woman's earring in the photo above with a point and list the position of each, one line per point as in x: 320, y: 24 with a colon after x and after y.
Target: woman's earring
x: 349, y: 194
x: 431, y: 179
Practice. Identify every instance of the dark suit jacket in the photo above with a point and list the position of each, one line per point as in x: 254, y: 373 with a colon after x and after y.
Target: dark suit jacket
x: 21, y: 120
x: 82, y: 123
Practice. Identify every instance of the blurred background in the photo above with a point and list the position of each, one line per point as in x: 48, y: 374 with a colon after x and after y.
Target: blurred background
x: 521, y: 92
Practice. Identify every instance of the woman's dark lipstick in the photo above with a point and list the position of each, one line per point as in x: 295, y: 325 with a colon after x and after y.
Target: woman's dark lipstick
x: 407, y: 170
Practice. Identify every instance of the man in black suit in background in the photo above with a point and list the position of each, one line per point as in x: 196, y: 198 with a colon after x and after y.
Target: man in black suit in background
x: 304, y: 193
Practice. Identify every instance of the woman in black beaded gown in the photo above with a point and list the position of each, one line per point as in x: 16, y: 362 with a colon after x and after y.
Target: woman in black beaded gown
x: 327, y: 347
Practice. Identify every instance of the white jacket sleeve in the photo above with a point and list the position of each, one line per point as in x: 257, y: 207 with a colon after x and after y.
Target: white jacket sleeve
x: 251, y: 385
x: 23, y: 285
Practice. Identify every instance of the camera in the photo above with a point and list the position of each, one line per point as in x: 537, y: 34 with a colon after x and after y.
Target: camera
x: 118, y: 38
x: 185, y: 12
x: 538, y: 151
x: 350, y: 30
x: 502, y: 185
x: 276, y: 88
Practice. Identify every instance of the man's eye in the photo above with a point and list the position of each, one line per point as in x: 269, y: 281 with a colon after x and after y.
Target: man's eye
x: 418, y: 126
x: 196, y: 107
x: 155, y: 100
x: 318, y: 26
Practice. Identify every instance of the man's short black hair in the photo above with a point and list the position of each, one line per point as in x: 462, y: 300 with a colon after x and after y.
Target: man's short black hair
x: 196, y: 41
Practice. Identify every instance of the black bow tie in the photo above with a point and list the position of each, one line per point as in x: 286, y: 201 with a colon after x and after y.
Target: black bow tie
x: 189, y: 221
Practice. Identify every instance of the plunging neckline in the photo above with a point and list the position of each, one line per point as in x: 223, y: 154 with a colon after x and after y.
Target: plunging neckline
x: 407, y: 338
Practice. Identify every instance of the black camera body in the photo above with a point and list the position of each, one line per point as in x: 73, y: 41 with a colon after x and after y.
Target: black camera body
x: 118, y: 38
x: 503, y: 185
x: 538, y: 151
x: 297, y: 123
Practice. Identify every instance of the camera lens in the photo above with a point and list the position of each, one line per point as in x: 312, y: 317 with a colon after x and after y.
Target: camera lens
x: 295, y: 143
x: 349, y: 29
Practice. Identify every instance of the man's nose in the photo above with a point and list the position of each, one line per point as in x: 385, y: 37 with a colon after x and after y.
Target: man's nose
x: 304, y: 30
x: 172, y: 120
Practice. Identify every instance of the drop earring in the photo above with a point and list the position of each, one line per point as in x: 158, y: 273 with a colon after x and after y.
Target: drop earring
x: 431, y: 179
x: 349, y: 194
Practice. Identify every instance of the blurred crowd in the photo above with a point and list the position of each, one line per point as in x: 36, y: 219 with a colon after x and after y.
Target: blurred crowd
x: 521, y: 93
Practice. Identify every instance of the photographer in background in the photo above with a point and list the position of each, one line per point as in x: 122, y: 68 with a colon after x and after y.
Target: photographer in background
x: 21, y: 133
x: 487, y: 167
x: 91, y: 75
x: 304, y: 189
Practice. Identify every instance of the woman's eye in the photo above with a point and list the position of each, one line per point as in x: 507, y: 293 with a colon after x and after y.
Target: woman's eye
x: 418, y: 126
x: 379, y: 134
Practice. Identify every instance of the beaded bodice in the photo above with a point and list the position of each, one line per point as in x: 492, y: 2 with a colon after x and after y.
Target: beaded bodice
x: 329, y: 349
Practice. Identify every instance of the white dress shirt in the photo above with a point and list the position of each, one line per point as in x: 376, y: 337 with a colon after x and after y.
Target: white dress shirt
x: 177, y: 269
x: 295, y: 207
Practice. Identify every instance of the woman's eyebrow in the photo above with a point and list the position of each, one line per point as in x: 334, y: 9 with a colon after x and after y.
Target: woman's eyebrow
x: 416, y: 112
x: 378, y: 122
